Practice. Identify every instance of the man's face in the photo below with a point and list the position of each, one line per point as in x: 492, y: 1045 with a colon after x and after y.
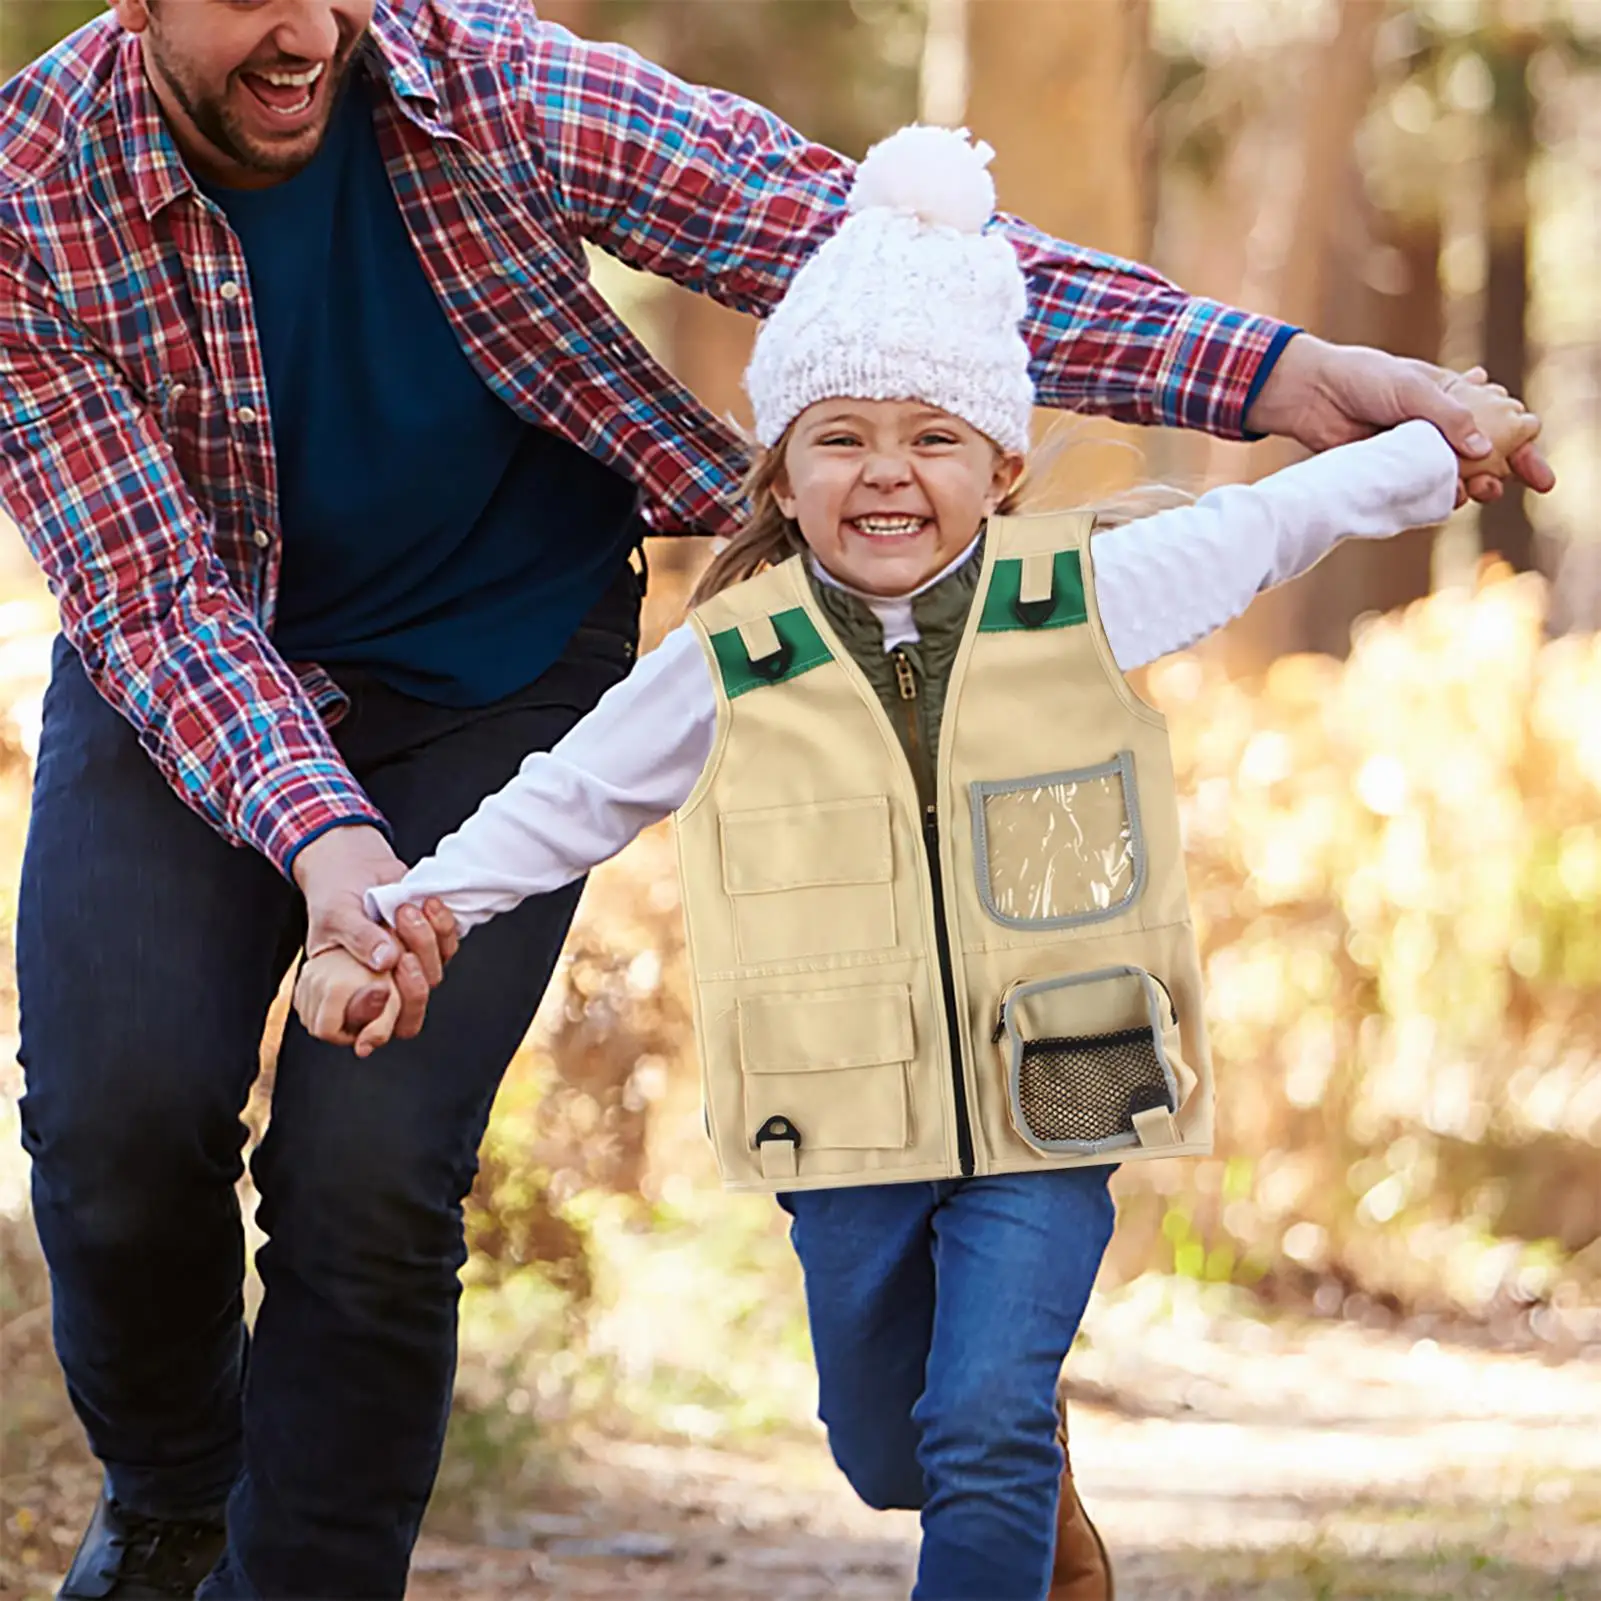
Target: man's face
x: 247, y: 85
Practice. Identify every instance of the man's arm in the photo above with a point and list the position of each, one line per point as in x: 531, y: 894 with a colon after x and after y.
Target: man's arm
x: 91, y: 483
x: 720, y: 195
x: 717, y: 193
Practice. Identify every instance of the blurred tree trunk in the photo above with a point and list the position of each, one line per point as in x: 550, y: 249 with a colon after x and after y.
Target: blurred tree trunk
x: 1061, y: 88
x: 1384, y: 290
x: 1504, y: 527
x: 1408, y: 317
x: 1325, y: 240
x: 1339, y: 88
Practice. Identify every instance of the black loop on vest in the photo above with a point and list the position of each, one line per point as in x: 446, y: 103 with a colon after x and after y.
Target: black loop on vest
x: 773, y: 667
x: 1032, y: 613
x: 778, y: 1128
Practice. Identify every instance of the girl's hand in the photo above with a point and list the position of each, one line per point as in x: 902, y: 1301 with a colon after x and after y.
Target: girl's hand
x: 1501, y: 418
x: 343, y: 1001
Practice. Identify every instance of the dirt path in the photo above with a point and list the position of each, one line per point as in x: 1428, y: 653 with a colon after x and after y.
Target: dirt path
x: 1222, y: 1458
x: 1327, y: 1464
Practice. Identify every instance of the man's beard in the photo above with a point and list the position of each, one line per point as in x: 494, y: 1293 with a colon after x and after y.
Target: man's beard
x: 218, y: 125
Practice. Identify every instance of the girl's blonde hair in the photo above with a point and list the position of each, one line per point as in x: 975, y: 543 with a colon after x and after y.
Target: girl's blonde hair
x: 768, y: 537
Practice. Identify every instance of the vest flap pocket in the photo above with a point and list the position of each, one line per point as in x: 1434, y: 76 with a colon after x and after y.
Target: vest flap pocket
x: 826, y: 1029
x: 796, y: 847
x: 826, y: 1071
x: 1088, y: 1057
x: 853, y: 1109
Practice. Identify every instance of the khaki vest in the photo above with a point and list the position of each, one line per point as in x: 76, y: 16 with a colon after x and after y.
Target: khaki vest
x: 1007, y: 980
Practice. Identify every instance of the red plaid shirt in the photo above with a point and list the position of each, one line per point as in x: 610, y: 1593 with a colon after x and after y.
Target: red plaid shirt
x: 135, y: 444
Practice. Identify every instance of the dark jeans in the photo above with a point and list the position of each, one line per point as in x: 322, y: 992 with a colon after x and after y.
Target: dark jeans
x: 941, y: 1315
x: 148, y: 953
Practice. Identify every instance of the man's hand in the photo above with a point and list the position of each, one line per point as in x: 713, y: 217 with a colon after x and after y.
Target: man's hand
x: 334, y: 872
x: 1321, y: 395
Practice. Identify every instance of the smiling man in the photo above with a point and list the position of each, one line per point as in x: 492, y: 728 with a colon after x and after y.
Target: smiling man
x: 269, y: 118
x: 335, y: 462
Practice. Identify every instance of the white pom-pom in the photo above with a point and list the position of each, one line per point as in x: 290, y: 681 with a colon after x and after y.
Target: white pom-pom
x: 933, y: 173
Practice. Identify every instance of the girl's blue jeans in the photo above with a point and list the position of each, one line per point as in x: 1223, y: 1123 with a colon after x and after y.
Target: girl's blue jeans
x: 941, y: 1315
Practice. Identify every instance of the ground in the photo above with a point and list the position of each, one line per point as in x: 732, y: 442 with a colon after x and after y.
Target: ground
x: 1222, y: 1455
x: 1306, y: 1463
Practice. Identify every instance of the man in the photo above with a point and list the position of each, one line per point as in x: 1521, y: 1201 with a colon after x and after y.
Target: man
x: 300, y: 366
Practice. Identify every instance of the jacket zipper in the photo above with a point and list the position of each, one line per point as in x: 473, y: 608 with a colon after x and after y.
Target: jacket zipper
x: 906, y: 683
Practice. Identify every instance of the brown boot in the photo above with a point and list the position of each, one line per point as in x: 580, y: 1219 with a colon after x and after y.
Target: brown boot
x: 1083, y: 1570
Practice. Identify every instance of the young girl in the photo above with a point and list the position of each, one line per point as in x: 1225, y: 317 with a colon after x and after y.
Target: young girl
x: 943, y: 964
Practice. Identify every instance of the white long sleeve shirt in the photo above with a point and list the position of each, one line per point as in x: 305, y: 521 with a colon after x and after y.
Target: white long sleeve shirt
x: 1162, y: 583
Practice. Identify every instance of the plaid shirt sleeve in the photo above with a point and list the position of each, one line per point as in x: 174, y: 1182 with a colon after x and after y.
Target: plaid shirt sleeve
x: 88, y: 478
x: 718, y: 194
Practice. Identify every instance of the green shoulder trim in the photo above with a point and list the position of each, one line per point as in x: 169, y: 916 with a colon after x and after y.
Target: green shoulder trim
x: 1067, y: 595
x: 803, y: 649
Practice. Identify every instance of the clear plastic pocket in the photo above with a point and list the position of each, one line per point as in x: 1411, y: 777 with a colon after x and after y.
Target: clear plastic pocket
x: 1061, y: 849
x: 1090, y: 1061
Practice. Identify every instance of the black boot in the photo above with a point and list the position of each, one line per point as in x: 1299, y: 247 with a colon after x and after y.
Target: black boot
x: 126, y: 1556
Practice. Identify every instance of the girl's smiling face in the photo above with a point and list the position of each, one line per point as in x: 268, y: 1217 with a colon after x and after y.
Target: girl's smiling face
x: 887, y: 493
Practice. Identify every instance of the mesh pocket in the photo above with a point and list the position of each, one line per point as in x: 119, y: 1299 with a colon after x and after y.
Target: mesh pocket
x: 1086, y: 1054
x: 1086, y: 1091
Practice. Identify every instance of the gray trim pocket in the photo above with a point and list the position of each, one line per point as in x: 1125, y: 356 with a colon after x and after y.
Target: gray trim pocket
x: 1059, y: 834
x: 1080, y: 1068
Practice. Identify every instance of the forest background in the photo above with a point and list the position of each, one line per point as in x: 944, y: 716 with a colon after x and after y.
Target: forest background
x: 1391, y: 768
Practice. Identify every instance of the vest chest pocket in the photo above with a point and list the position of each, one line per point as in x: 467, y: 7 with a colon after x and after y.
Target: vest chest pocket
x: 1092, y: 1061
x: 826, y: 1070
x: 1060, y: 850
x: 809, y: 880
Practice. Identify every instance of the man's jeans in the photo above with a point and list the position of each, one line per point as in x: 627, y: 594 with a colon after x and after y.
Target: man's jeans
x: 941, y: 1315
x: 148, y: 953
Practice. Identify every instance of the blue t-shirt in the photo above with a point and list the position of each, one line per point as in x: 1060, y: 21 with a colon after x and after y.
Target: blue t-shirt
x: 429, y: 533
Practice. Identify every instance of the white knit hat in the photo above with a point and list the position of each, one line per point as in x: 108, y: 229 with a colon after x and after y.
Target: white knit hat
x: 910, y: 300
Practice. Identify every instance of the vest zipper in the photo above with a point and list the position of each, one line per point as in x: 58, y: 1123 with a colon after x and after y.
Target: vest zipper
x: 906, y: 683
x: 942, y: 943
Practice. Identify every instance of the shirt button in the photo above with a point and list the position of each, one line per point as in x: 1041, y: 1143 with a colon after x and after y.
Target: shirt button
x: 262, y: 538
x: 247, y: 414
x: 228, y: 289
